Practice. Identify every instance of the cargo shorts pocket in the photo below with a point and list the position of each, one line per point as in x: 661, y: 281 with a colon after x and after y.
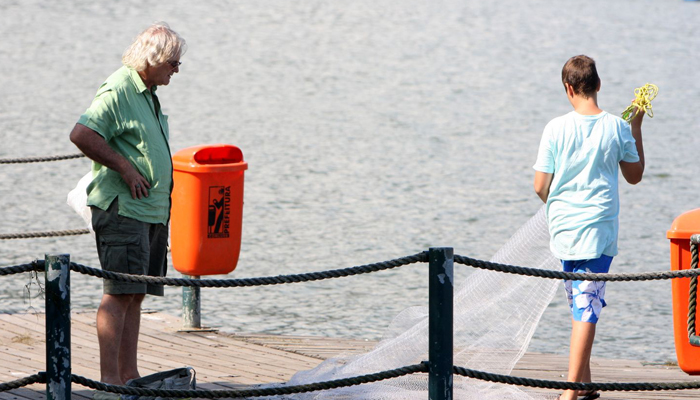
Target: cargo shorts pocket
x: 121, y: 253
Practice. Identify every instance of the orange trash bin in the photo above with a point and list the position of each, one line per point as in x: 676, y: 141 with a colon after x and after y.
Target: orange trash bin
x: 207, y: 209
x: 683, y: 227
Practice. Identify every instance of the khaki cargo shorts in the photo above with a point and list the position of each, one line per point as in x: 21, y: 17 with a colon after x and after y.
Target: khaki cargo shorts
x: 129, y: 246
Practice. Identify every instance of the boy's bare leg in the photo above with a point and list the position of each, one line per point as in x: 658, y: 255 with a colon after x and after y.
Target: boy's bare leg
x: 582, y: 335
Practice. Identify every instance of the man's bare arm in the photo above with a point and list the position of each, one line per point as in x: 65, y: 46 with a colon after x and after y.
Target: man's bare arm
x: 96, y: 148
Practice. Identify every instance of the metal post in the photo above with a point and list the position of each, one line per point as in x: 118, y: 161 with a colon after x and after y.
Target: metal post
x: 440, y: 330
x: 58, y: 364
x: 191, y: 306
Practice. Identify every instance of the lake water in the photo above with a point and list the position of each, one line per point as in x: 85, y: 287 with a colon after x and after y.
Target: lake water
x: 373, y: 130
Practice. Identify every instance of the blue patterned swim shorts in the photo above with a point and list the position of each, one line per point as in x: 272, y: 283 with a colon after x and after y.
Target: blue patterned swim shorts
x: 586, y: 298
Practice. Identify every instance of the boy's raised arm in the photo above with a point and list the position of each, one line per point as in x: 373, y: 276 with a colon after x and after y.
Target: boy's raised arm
x: 632, y: 172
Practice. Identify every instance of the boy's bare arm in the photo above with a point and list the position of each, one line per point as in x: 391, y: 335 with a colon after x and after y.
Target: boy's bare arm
x: 543, y: 181
x: 632, y: 172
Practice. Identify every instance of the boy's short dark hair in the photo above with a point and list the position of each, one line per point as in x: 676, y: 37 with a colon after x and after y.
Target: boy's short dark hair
x: 581, y: 74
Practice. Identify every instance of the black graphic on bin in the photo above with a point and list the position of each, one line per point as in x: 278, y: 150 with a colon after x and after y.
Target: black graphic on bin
x: 219, y: 212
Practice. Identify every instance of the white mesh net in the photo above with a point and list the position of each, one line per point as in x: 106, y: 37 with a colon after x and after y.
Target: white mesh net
x: 495, y: 316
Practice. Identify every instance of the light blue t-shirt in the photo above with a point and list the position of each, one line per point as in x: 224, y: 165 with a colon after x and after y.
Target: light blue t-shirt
x: 583, y: 153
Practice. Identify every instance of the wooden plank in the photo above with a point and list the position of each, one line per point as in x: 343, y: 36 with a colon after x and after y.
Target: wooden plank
x: 149, y: 361
x: 232, y: 356
x: 318, y: 347
x: 235, y: 361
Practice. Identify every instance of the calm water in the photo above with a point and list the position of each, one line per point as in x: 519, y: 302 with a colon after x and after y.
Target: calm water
x: 372, y: 130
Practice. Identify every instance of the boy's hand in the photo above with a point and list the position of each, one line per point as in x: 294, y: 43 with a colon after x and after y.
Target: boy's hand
x: 638, y: 117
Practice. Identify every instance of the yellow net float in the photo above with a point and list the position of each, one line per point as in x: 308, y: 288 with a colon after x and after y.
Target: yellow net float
x: 643, y: 97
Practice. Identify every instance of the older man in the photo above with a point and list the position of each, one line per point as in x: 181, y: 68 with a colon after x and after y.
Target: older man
x: 125, y: 133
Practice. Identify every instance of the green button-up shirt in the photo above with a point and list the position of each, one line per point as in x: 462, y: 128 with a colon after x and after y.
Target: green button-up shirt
x: 128, y: 116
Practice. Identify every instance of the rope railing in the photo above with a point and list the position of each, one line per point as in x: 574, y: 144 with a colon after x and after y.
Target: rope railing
x: 256, y: 392
x: 692, y: 293
x: 26, y: 381
x: 39, y: 159
x: 260, y: 281
x: 551, y: 274
x: 561, y: 385
x: 32, y: 235
x: 362, y: 379
x: 35, y: 265
x: 357, y: 270
x: 692, y: 273
x: 480, y: 264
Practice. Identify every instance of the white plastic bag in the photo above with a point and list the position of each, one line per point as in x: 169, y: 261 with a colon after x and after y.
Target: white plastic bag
x: 77, y: 199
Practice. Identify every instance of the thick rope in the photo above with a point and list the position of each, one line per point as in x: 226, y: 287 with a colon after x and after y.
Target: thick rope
x: 39, y: 159
x: 375, y: 377
x: 29, y: 380
x: 550, y: 274
x: 282, y: 390
x: 692, y: 293
x: 29, y: 235
x: 270, y: 280
x: 363, y: 269
x: 642, y: 101
x: 545, y: 384
x: 18, y: 269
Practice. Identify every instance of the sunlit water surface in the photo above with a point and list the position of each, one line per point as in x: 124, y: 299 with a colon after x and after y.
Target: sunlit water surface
x: 373, y: 130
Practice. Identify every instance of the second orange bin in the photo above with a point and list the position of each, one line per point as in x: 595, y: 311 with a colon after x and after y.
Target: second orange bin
x: 683, y: 227
x: 207, y: 209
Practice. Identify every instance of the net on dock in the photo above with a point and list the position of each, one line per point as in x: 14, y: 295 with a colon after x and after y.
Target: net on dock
x: 495, y: 316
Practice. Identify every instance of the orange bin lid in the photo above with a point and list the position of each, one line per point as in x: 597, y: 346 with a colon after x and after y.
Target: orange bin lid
x: 685, y: 225
x: 209, y: 158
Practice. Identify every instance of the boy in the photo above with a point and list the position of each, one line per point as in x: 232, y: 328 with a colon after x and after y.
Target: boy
x: 576, y: 175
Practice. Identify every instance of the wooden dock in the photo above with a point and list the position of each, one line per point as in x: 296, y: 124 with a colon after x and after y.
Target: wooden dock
x: 225, y: 361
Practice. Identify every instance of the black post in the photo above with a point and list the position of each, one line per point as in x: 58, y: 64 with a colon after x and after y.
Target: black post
x: 441, y: 288
x: 58, y: 365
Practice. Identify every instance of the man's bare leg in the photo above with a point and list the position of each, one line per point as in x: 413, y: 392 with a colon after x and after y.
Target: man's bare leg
x: 110, y: 328
x: 128, y: 368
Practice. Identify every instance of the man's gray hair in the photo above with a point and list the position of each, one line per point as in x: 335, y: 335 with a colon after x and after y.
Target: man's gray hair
x: 154, y: 46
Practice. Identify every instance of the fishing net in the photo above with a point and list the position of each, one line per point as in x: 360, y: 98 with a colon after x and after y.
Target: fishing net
x: 495, y: 316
